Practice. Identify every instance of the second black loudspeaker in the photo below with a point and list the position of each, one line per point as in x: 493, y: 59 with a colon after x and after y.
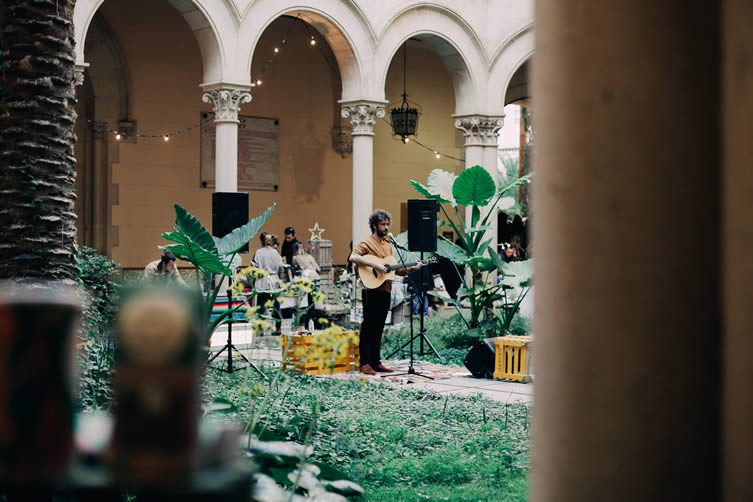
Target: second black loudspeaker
x: 229, y: 211
x: 422, y: 225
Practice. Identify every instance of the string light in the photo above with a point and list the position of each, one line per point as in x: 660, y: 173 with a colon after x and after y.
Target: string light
x: 437, y: 155
x: 313, y: 41
x: 406, y: 139
x: 117, y: 136
x: 120, y: 134
x: 277, y: 49
x: 258, y: 81
x: 166, y: 138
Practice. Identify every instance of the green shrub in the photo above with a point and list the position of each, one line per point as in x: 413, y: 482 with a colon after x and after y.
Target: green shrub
x: 100, y: 296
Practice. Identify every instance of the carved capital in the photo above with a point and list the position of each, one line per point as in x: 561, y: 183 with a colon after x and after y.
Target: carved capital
x: 479, y: 130
x: 363, y: 115
x: 78, y: 73
x: 226, y: 102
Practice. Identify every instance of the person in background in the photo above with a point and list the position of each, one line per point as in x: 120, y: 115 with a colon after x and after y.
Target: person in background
x: 306, y: 263
x: 164, y: 269
x: 289, y: 245
x: 268, y: 259
x: 508, y: 253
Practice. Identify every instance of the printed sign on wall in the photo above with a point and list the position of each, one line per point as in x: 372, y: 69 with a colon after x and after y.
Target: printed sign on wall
x: 258, y: 152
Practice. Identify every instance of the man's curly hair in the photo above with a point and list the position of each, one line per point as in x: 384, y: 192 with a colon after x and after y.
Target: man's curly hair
x: 377, y: 217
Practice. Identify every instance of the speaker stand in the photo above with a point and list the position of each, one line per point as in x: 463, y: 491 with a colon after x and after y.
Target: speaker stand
x: 421, y: 335
x: 230, y: 348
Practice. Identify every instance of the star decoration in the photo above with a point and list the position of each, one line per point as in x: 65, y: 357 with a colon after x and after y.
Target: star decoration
x: 316, y: 232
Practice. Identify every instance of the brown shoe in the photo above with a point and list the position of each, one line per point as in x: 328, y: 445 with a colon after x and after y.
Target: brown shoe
x: 384, y: 369
x: 366, y: 369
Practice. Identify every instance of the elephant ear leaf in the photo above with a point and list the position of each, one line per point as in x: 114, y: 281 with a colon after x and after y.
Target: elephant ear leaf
x: 451, y: 251
x: 418, y: 187
x: 192, y: 227
x: 474, y: 187
x: 235, y: 240
x: 188, y: 250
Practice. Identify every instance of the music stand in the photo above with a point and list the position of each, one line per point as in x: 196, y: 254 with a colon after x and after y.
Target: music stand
x: 421, y: 335
x: 230, y: 347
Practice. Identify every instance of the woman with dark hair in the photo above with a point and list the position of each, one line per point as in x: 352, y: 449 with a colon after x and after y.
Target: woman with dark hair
x: 164, y: 269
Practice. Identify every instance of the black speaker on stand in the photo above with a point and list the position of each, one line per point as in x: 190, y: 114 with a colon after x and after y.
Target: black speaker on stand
x: 422, y: 236
x: 229, y: 211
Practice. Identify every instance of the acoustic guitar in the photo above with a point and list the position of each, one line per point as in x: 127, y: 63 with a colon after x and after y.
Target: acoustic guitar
x: 371, y: 279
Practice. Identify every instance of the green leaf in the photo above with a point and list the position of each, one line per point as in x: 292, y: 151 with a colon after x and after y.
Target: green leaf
x: 451, y: 251
x: 235, y: 240
x: 475, y: 215
x: 221, y: 404
x: 480, y: 228
x: 474, y: 187
x: 406, y: 256
x: 418, y: 187
x: 517, y: 273
x: 188, y: 250
x: 481, y: 263
x: 192, y: 227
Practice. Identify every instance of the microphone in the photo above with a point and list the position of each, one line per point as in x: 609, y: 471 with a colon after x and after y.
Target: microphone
x: 391, y: 238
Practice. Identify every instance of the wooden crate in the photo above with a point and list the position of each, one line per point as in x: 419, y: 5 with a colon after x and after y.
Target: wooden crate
x: 321, y: 354
x: 512, y: 359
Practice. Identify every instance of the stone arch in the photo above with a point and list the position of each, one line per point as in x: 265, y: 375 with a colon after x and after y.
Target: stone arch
x: 197, y: 15
x: 510, y: 56
x: 342, y: 25
x: 450, y: 36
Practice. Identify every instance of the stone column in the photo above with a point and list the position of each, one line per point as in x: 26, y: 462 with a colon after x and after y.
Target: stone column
x: 227, y: 101
x: 626, y: 201
x: 363, y: 116
x: 481, y: 145
x: 737, y: 243
x: 99, y: 184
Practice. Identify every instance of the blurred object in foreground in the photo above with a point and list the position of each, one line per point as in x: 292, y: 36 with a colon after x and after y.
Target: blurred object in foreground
x: 156, y: 386
x: 37, y: 380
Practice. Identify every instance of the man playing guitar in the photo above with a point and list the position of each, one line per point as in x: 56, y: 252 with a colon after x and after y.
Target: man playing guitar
x: 376, y: 302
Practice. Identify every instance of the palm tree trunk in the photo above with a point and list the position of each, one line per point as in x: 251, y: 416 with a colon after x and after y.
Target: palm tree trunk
x: 37, y: 166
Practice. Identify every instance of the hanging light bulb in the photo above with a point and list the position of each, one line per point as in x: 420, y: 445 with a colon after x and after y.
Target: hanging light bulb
x: 118, y: 136
x: 437, y: 155
x: 277, y: 50
x: 258, y: 81
x: 312, y: 41
x: 166, y: 138
x: 406, y: 139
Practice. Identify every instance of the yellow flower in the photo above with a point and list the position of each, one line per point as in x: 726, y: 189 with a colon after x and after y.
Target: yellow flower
x: 323, y: 321
x: 251, y: 311
x: 269, y: 304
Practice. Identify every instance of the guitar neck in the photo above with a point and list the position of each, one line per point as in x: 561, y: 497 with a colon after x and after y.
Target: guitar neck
x: 399, y: 266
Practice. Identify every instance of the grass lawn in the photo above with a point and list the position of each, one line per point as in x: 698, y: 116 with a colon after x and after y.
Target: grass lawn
x: 399, y: 444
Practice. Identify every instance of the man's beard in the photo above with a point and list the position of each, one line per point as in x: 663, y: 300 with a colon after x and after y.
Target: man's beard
x: 382, y: 233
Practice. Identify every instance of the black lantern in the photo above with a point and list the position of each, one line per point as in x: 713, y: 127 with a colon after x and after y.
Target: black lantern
x: 405, y: 116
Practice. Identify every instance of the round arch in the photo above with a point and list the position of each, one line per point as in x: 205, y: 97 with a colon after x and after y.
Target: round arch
x: 342, y: 25
x: 450, y: 36
x: 202, y: 23
x: 508, y: 58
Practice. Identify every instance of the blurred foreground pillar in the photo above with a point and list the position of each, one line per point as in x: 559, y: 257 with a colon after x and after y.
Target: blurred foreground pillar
x: 626, y: 199
x: 738, y: 248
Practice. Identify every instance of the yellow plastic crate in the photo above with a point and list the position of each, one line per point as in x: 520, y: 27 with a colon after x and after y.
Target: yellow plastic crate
x: 512, y: 358
x: 321, y: 354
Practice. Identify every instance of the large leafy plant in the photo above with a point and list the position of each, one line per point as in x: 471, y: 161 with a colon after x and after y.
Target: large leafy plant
x: 212, y: 256
x: 475, y: 259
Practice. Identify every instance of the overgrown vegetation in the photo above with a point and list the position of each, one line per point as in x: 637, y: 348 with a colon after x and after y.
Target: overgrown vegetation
x: 97, y: 348
x: 399, y: 444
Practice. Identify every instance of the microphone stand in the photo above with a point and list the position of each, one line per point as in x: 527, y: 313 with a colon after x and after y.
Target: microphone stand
x: 421, y: 334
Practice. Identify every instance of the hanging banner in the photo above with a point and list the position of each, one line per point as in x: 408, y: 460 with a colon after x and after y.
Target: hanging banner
x: 258, y: 152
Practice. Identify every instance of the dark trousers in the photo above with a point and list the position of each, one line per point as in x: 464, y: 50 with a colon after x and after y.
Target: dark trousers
x: 375, y: 306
